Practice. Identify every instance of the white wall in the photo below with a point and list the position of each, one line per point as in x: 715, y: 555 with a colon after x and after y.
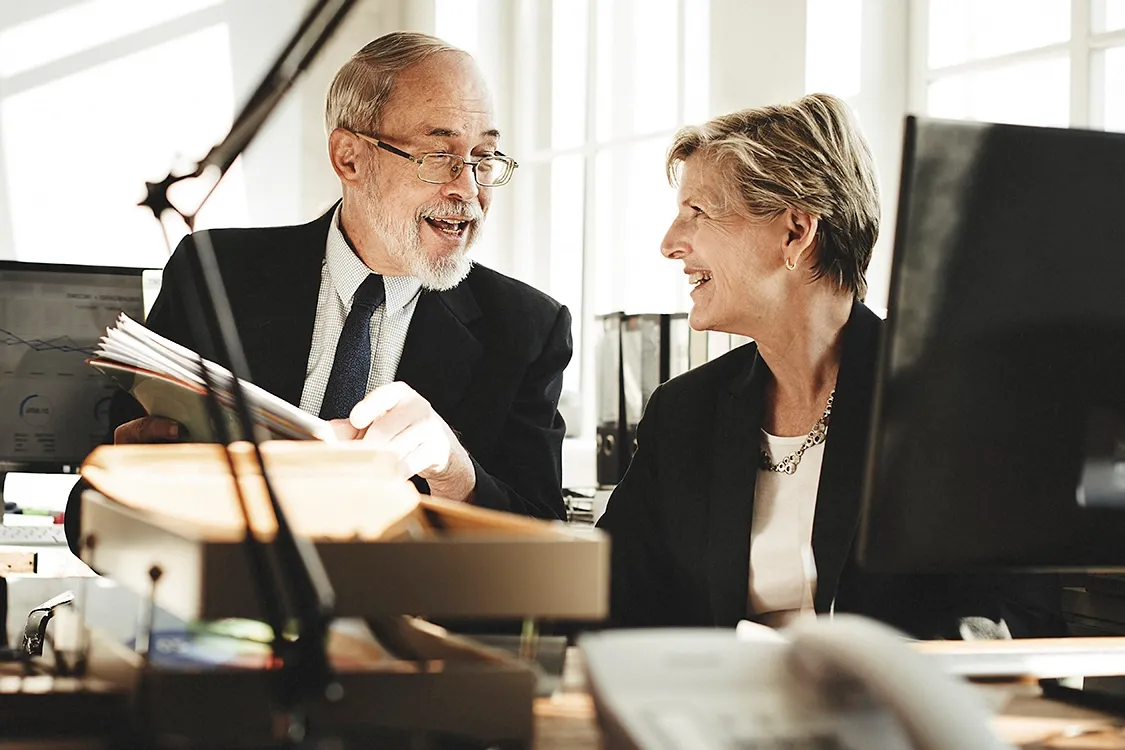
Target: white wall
x: 757, y: 53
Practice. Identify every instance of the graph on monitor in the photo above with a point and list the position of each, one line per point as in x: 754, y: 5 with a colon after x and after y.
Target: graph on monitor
x: 54, y: 408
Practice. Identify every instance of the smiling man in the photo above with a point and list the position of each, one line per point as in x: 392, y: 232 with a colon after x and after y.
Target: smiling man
x: 373, y: 315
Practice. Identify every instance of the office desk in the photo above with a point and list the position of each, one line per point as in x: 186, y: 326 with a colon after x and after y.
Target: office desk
x: 567, y: 721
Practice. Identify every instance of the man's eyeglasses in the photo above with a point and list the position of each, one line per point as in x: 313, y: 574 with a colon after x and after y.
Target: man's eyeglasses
x: 438, y: 169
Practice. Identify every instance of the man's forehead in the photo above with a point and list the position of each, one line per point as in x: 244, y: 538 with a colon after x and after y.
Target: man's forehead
x: 446, y: 96
x: 440, y: 123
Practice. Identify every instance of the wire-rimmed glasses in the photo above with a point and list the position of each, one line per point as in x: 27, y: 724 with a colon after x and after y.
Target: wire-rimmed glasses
x: 440, y: 168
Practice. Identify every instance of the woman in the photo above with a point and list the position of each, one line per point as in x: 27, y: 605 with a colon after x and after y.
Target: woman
x: 743, y: 498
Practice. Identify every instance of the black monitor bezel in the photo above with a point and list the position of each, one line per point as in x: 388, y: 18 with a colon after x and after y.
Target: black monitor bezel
x: 870, y: 553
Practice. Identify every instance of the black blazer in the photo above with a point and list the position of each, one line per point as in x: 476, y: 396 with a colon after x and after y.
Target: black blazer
x: 488, y: 354
x: 680, y: 519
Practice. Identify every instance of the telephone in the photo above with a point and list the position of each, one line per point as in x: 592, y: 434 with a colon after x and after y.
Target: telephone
x: 820, y: 684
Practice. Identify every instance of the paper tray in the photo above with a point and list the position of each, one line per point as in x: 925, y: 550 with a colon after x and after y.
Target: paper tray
x: 501, y: 574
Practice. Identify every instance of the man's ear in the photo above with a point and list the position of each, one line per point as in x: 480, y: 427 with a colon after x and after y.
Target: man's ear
x: 800, y: 235
x: 344, y: 151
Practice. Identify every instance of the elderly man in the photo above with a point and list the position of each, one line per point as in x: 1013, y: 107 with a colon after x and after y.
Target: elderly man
x: 374, y: 317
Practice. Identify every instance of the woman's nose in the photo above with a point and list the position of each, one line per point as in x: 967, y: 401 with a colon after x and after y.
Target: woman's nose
x: 674, y: 246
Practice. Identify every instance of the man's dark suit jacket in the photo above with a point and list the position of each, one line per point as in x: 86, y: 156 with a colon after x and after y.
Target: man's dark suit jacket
x: 680, y: 519
x: 488, y: 355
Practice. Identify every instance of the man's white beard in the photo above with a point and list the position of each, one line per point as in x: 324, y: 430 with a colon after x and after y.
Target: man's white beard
x: 404, y: 242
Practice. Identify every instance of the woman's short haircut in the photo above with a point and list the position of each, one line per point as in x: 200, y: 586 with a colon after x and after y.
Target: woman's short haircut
x: 362, y: 87
x: 808, y: 155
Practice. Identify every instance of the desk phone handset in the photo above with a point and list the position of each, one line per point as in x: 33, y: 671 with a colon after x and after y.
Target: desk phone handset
x: 840, y: 684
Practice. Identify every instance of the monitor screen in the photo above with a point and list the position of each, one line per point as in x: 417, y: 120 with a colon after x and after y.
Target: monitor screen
x: 54, y: 408
x: 998, y: 433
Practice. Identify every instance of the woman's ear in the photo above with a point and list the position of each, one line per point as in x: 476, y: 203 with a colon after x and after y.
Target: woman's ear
x: 344, y: 153
x: 800, y: 236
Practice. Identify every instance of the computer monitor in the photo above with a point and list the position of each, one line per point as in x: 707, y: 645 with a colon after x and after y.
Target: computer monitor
x: 54, y: 408
x: 998, y: 429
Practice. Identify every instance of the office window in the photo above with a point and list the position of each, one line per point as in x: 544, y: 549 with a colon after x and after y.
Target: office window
x: 833, y: 54
x: 1113, y: 86
x: 1032, y: 62
x: 1036, y: 92
x: 964, y: 30
x: 95, y: 99
x: 1107, y: 15
x: 588, y: 95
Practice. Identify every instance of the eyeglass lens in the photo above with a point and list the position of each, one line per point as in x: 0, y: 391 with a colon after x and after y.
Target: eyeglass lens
x: 442, y: 168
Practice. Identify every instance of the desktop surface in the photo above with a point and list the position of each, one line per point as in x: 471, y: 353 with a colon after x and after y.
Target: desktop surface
x: 568, y: 720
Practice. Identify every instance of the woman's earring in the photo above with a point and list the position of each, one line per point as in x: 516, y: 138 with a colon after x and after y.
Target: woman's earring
x: 791, y: 264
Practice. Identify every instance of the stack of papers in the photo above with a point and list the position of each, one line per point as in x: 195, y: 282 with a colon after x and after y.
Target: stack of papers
x: 167, y: 379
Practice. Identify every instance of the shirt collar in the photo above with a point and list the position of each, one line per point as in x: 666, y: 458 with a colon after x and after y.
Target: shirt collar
x: 347, y: 272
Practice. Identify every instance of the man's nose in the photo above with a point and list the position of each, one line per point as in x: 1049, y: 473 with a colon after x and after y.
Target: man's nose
x: 463, y: 186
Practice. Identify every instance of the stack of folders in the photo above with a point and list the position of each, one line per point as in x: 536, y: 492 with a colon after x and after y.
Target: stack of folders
x: 168, y: 381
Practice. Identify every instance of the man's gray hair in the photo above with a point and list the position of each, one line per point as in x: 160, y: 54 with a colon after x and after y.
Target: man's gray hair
x: 364, y: 84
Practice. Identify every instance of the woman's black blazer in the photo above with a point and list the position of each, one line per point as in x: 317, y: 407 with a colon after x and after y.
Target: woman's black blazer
x: 680, y: 519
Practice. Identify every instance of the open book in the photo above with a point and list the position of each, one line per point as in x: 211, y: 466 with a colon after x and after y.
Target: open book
x: 167, y: 380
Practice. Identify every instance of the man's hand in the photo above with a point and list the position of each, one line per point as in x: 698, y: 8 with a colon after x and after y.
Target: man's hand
x: 403, y: 422
x: 148, y: 430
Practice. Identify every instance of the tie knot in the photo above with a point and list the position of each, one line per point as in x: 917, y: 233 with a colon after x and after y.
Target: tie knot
x: 370, y: 293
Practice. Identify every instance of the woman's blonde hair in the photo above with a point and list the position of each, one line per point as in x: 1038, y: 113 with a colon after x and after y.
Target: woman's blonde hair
x: 808, y: 155
x: 362, y: 87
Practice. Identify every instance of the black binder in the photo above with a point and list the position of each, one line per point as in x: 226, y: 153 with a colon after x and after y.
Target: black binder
x: 610, y: 401
x: 636, y: 354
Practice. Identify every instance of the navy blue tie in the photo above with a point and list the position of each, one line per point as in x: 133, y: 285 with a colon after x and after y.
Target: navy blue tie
x: 347, y: 384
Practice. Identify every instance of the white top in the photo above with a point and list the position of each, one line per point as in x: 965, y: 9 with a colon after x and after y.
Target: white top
x: 782, y: 567
x: 341, y: 273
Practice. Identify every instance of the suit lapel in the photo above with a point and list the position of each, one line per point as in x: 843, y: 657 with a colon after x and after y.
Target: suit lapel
x: 281, y: 311
x: 441, y: 352
x: 841, y: 477
x: 736, y: 442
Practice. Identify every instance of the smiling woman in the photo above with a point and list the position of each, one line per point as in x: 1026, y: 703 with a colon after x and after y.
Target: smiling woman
x: 744, y: 493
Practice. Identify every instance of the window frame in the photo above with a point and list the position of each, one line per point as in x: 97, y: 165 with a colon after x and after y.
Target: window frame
x: 1087, y: 95
x: 524, y: 32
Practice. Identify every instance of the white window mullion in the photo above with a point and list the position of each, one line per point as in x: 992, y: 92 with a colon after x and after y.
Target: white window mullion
x: 1082, y: 113
x: 1107, y: 39
x: 681, y: 43
x: 995, y: 62
x: 585, y: 346
x: 918, y: 82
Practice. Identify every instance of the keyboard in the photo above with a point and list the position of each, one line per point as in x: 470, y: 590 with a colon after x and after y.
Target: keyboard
x: 21, y: 536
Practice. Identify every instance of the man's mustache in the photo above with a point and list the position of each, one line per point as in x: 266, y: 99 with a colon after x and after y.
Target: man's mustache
x: 467, y: 210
